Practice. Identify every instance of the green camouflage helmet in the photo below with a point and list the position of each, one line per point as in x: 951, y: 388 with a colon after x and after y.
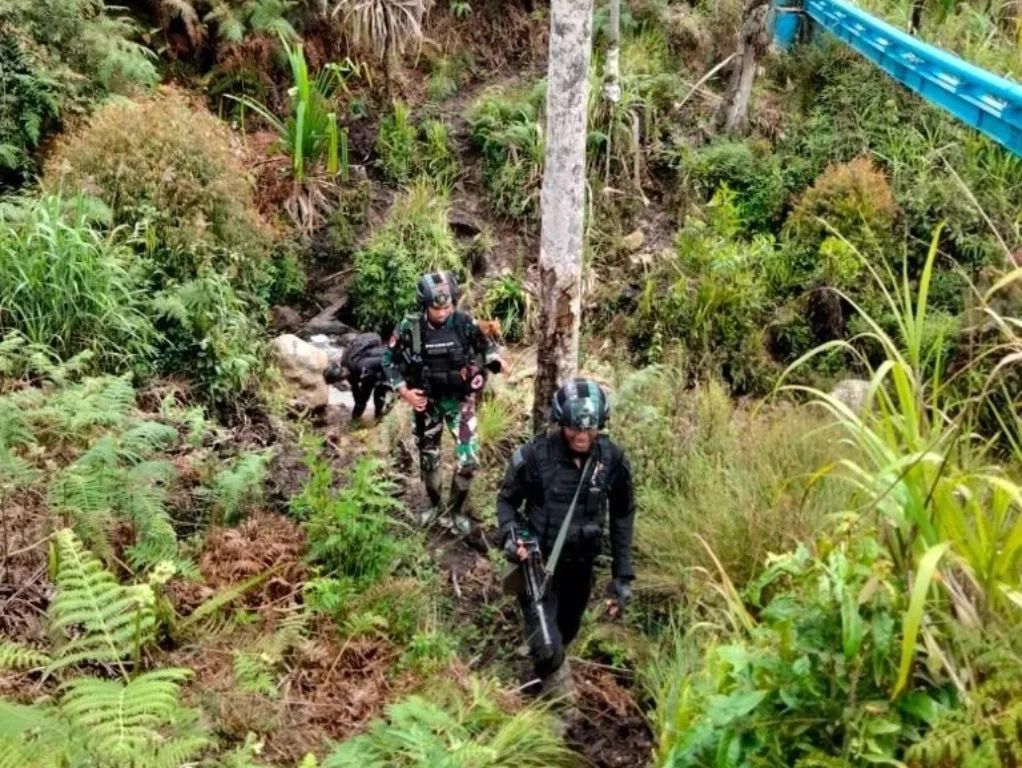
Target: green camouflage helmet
x: 580, y: 404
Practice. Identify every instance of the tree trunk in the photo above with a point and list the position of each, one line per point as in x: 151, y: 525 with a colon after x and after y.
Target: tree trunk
x: 612, y: 71
x: 733, y: 113
x: 562, y: 200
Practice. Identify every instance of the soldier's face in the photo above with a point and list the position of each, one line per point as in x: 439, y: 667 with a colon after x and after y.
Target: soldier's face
x: 437, y: 315
x: 580, y: 440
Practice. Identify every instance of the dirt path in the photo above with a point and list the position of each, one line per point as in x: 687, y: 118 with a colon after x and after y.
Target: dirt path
x: 612, y: 731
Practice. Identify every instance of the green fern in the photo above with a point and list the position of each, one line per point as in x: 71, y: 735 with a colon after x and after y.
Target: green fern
x: 125, y: 722
x: 30, y: 737
x: 18, y: 657
x: 456, y: 729
x: 104, y: 724
x: 254, y: 673
x: 256, y: 668
x: 239, y: 486
x: 100, y: 619
x: 986, y: 733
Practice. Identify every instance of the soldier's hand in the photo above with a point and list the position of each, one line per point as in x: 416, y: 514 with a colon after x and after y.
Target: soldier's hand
x: 414, y: 397
x: 620, y: 592
x: 514, y: 550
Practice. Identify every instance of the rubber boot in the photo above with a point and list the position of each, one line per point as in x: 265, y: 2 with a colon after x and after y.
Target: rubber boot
x: 460, y: 524
x: 432, y: 481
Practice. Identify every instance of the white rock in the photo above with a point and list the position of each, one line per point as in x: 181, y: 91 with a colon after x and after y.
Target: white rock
x: 851, y: 392
x: 302, y: 366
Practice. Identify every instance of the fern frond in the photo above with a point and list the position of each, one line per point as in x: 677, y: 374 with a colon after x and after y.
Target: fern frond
x: 240, y: 485
x: 148, y: 437
x: 126, y: 722
x: 14, y: 656
x: 30, y: 737
x: 253, y: 672
x: 111, y: 621
x: 15, y: 472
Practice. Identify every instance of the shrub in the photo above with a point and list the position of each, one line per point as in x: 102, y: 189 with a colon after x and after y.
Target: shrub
x: 437, y: 158
x: 404, y: 151
x: 210, y: 335
x: 348, y: 529
x: 172, y: 165
x: 747, y: 168
x: 414, y: 238
x: 171, y: 169
x: 71, y: 287
x: 395, y: 144
x: 854, y: 199
x: 806, y: 675
x: 506, y: 300
x: 712, y: 299
x: 58, y: 56
x: 507, y: 130
x: 446, y: 75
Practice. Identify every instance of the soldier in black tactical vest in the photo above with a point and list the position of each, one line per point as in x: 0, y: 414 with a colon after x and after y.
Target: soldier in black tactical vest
x: 362, y: 366
x: 437, y: 362
x: 563, y: 489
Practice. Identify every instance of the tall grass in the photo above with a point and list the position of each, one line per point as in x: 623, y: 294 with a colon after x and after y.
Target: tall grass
x: 717, y: 477
x: 70, y: 283
x: 919, y: 464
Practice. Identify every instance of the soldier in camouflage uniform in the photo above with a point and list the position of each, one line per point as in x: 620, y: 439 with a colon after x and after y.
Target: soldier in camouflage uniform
x: 436, y: 362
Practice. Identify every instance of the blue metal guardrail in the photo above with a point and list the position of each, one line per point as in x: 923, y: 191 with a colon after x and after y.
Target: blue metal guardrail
x: 990, y: 103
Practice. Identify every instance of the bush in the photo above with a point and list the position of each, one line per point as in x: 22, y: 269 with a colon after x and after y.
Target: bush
x: 405, y: 151
x: 348, y: 529
x: 171, y: 170
x: 506, y: 300
x: 210, y: 336
x: 507, y: 130
x: 747, y: 168
x: 808, y: 681
x: 58, y: 56
x: 712, y: 299
x: 70, y: 286
x: 395, y: 144
x: 414, y: 239
x: 854, y: 199
x: 849, y: 107
x: 174, y: 166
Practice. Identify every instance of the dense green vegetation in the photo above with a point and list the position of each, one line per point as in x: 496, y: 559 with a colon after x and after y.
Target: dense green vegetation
x: 195, y: 574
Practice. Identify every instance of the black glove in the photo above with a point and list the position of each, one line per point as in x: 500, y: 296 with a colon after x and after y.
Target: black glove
x: 621, y: 591
x: 511, y: 548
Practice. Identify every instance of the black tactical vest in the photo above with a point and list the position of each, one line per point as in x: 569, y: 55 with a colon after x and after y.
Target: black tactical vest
x: 445, y: 355
x: 558, y: 477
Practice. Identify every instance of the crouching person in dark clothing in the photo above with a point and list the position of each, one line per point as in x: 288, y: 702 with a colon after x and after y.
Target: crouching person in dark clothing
x: 362, y: 366
x: 567, y: 486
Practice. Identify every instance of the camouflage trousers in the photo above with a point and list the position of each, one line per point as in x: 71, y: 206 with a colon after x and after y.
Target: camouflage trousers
x: 459, y: 417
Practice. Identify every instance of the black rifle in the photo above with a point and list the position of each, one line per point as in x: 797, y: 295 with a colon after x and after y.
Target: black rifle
x: 533, y: 576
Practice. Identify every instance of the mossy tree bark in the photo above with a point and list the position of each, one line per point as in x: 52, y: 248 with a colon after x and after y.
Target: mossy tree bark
x: 733, y: 113
x: 562, y: 199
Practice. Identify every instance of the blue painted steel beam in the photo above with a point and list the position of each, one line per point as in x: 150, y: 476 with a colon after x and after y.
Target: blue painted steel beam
x: 990, y: 103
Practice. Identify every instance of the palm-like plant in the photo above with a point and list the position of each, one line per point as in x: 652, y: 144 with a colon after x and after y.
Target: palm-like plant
x: 384, y: 26
x: 309, y: 134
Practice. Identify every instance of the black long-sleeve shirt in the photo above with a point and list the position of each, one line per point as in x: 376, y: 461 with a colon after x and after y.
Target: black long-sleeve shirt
x: 544, y: 474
